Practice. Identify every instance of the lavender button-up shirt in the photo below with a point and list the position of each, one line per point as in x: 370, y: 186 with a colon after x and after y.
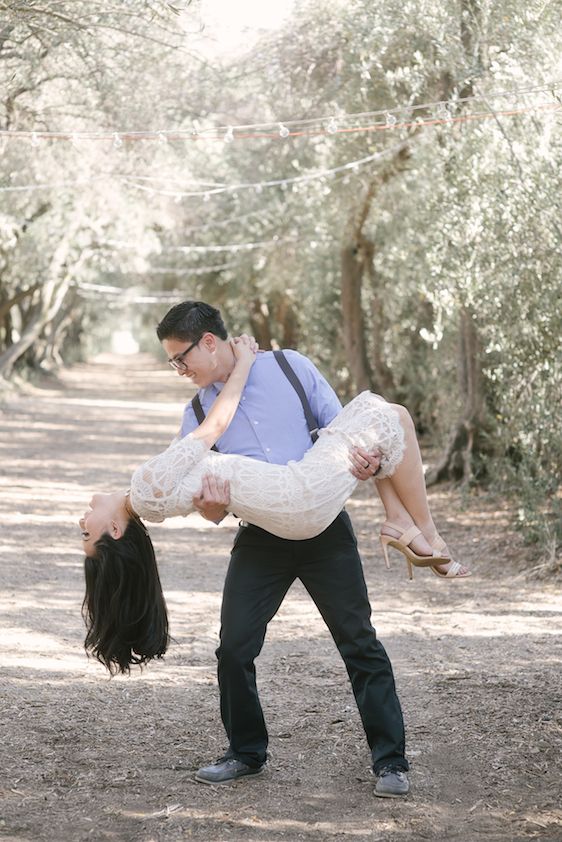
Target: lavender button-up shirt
x: 269, y: 423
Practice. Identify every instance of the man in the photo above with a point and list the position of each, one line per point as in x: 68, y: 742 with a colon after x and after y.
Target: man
x: 270, y: 425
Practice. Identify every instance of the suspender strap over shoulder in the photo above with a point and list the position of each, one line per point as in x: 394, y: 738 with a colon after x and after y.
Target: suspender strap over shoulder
x: 200, y: 414
x: 293, y: 379
x: 299, y: 389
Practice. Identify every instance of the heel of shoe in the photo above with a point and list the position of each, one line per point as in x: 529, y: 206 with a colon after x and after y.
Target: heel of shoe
x: 384, y: 539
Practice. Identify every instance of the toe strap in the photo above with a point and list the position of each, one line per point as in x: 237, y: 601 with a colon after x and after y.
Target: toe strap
x: 454, y: 569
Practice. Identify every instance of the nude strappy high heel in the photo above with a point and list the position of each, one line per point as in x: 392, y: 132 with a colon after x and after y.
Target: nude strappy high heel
x: 402, y: 545
x: 453, y: 572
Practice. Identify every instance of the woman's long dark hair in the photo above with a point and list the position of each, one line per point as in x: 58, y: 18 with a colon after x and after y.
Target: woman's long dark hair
x: 124, y: 608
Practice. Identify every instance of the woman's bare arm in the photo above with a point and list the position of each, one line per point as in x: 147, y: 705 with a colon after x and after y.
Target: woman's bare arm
x: 224, y: 408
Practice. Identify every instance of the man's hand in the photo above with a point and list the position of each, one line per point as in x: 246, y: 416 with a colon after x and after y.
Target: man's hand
x: 364, y: 465
x: 214, y: 497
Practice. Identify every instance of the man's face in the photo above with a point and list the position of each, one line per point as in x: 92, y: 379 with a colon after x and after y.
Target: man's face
x: 200, y: 361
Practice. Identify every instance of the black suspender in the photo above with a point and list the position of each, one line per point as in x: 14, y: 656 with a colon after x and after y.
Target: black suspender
x: 293, y: 379
x: 199, y: 413
x: 289, y: 373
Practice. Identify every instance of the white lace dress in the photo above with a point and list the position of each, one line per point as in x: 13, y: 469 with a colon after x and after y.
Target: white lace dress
x: 298, y: 500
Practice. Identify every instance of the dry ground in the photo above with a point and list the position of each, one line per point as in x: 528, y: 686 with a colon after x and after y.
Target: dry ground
x: 88, y: 758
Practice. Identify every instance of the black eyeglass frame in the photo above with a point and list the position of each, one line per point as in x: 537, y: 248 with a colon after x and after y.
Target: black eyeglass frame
x: 177, y: 362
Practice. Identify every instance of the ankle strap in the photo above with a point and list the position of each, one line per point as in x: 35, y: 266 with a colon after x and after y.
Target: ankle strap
x: 406, y: 537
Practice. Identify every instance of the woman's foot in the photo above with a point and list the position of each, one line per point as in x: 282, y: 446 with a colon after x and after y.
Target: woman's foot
x: 411, y: 543
x: 451, y: 570
x: 419, y: 544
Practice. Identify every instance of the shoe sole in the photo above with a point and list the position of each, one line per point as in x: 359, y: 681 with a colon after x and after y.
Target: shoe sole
x: 391, y: 794
x: 202, y: 780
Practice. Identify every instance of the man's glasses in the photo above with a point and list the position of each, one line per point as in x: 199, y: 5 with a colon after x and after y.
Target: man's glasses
x: 179, y: 362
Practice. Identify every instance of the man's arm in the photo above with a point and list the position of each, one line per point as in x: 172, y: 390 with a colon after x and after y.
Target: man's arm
x: 364, y: 465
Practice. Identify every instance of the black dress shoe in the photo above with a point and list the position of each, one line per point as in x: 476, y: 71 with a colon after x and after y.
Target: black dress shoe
x: 226, y: 770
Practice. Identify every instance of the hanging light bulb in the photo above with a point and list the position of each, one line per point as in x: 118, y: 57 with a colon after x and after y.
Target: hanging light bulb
x: 74, y: 139
x: 35, y: 139
x: 162, y: 138
x: 407, y: 113
x: 117, y: 142
x: 332, y: 126
x: 229, y: 135
x: 283, y: 130
x: 443, y: 112
x: 390, y: 119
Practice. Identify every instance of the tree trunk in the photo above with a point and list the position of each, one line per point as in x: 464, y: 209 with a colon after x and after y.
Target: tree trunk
x: 260, y: 323
x: 475, y: 48
x: 458, y: 460
x: 52, y: 294
x: 383, y: 374
x: 6, y: 305
x: 56, y: 333
x: 286, y: 317
x: 353, y: 258
x: 356, y: 260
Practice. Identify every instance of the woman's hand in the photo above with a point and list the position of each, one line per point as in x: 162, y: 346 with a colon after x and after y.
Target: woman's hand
x: 244, y: 348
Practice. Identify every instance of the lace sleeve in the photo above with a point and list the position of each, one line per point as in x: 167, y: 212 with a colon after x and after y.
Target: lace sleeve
x: 157, y: 485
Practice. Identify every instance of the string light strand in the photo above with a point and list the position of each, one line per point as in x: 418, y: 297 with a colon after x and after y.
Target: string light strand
x: 274, y: 129
x: 206, y: 194
x: 216, y: 249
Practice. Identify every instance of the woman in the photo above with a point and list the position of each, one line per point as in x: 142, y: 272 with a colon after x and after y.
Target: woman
x: 124, y: 607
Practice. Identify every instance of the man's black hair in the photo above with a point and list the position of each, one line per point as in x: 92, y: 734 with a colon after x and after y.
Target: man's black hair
x: 189, y: 320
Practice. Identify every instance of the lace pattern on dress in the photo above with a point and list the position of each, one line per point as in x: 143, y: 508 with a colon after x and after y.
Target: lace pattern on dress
x: 158, y: 489
x: 298, y: 500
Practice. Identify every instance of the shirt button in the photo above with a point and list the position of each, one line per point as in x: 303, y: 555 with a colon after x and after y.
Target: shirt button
x: 255, y: 422
x: 243, y: 398
x: 268, y: 450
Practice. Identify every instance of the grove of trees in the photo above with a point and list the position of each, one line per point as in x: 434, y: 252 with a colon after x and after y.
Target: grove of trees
x: 429, y: 272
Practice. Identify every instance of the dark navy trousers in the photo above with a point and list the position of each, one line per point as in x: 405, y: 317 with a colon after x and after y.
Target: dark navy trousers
x: 262, y: 568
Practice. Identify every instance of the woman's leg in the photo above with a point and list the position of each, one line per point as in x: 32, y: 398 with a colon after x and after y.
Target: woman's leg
x: 404, y: 496
x: 397, y: 513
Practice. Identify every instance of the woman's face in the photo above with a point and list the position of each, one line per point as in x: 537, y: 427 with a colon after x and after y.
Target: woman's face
x: 107, y: 513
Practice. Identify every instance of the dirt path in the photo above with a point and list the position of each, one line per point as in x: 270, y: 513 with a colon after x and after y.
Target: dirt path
x: 85, y: 758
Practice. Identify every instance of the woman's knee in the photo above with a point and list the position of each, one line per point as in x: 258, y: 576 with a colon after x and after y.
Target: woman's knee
x: 404, y: 415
